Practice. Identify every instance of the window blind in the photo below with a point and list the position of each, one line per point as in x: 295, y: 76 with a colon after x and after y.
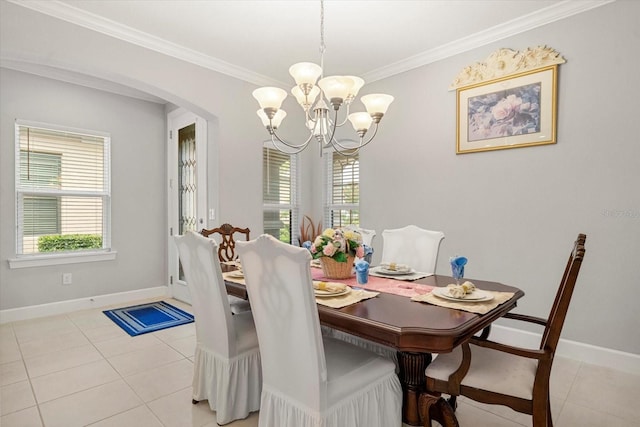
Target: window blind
x: 62, y: 189
x: 342, y: 202
x: 279, y: 190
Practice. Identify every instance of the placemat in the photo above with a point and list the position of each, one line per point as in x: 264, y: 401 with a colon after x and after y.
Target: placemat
x: 473, y: 307
x: 356, y: 295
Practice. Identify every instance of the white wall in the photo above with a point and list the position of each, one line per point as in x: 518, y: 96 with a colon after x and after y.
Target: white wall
x: 138, y: 221
x: 515, y: 213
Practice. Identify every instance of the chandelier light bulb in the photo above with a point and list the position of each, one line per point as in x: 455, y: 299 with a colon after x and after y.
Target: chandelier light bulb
x: 336, y: 88
x: 270, y: 97
x: 275, y: 121
x: 361, y: 122
x: 355, y: 88
x: 377, y: 103
x: 305, y: 73
x: 306, y: 101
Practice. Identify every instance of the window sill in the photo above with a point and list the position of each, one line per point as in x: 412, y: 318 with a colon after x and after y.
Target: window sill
x: 44, y: 260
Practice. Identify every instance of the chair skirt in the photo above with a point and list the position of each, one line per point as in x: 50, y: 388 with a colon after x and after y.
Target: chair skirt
x: 362, y: 390
x: 232, y: 386
x: 277, y: 410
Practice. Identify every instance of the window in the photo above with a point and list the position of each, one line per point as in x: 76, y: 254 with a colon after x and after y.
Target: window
x: 279, y: 191
x: 342, y: 202
x: 62, y: 190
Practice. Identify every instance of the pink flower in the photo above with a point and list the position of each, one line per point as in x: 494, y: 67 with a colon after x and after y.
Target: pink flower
x: 506, y: 108
x: 313, y: 249
x: 329, y: 250
x: 360, y: 252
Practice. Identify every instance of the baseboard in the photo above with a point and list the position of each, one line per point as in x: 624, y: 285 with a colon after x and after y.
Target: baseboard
x: 587, y: 353
x: 61, y: 307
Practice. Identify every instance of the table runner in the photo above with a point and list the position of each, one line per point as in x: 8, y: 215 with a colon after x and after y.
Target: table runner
x: 378, y: 284
x: 473, y: 307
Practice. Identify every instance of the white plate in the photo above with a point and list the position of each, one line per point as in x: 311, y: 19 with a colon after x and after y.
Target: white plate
x: 325, y: 294
x: 236, y: 274
x: 383, y: 270
x: 475, y: 296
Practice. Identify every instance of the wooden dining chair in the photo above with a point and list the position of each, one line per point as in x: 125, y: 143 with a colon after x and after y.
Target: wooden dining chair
x: 500, y: 374
x: 310, y: 380
x: 413, y: 246
x: 227, y: 245
x: 226, y: 368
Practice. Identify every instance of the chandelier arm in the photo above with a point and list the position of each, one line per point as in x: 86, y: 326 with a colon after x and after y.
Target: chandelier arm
x: 276, y: 141
x: 375, y: 131
x: 351, y: 151
x: 346, y: 117
x: 288, y: 144
x: 333, y: 130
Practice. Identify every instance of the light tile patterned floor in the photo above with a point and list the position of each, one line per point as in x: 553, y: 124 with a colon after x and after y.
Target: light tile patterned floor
x: 80, y: 369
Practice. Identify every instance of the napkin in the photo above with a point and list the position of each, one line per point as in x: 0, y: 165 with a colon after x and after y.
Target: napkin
x: 392, y: 266
x: 457, y: 266
x: 329, y: 286
x: 459, y: 291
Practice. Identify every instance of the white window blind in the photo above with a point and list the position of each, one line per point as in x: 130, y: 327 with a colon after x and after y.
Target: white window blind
x: 342, y: 201
x: 280, y: 198
x: 62, y: 189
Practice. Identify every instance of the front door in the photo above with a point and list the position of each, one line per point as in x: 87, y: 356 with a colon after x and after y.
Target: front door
x: 187, y: 166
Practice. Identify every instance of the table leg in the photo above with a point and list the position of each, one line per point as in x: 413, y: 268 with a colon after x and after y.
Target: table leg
x: 413, y: 380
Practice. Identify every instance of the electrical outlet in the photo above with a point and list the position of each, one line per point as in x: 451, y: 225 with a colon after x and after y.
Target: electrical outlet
x: 66, y: 278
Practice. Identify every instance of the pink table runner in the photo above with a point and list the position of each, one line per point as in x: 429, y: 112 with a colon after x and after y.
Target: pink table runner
x: 379, y: 284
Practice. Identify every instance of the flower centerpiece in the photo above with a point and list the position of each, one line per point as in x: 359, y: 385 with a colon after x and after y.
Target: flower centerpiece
x: 336, y: 249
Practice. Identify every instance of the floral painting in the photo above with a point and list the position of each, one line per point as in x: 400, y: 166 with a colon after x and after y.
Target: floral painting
x: 513, y: 111
x: 505, y: 113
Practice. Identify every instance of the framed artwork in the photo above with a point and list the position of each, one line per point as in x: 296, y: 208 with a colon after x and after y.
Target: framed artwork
x: 518, y: 110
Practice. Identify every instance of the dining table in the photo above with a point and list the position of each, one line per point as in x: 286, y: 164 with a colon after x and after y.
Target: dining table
x: 417, y: 330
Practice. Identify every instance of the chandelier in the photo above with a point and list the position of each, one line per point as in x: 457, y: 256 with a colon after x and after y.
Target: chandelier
x: 337, y: 91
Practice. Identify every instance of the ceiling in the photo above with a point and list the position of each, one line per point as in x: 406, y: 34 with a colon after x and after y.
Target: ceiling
x: 258, y: 40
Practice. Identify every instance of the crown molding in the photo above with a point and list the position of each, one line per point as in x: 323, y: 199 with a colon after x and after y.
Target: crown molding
x: 66, y: 12
x: 74, y: 15
x: 499, y: 32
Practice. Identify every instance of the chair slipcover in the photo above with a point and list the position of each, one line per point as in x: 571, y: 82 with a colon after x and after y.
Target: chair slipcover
x: 308, y: 380
x: 227, y: 369
x: 413, y: 246
x: 367, y: 235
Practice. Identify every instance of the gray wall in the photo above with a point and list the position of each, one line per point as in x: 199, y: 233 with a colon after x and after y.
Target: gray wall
x: 514, y: 213
x: 138, y: 162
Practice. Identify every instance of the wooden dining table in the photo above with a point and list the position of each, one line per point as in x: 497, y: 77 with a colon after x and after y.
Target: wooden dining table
x: 414, y: 329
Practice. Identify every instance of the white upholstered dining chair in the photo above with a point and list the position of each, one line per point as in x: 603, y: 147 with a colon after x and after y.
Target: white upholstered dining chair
x: 413, y: 246
x: 309, y: 380
x: 226, y: 367
x: 367, y: 235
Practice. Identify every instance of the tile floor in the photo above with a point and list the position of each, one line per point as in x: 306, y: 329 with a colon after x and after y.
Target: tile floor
x: 80, y: 369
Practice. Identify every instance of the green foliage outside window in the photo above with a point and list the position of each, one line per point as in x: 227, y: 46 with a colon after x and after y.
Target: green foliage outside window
x: 69, y: 242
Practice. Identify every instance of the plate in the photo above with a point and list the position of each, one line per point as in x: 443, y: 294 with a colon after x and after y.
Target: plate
x: 475, y: 296
x: 325, y: 294
x: 236, y: 274
x: 383, y: 270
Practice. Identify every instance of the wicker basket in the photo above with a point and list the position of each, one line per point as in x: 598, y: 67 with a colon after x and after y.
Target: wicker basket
x: 333, y: 269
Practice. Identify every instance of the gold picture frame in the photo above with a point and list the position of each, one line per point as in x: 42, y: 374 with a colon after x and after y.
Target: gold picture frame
x: 513, y: 111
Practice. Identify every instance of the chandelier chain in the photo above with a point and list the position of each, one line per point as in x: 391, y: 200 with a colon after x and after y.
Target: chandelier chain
x: 323, y: 47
